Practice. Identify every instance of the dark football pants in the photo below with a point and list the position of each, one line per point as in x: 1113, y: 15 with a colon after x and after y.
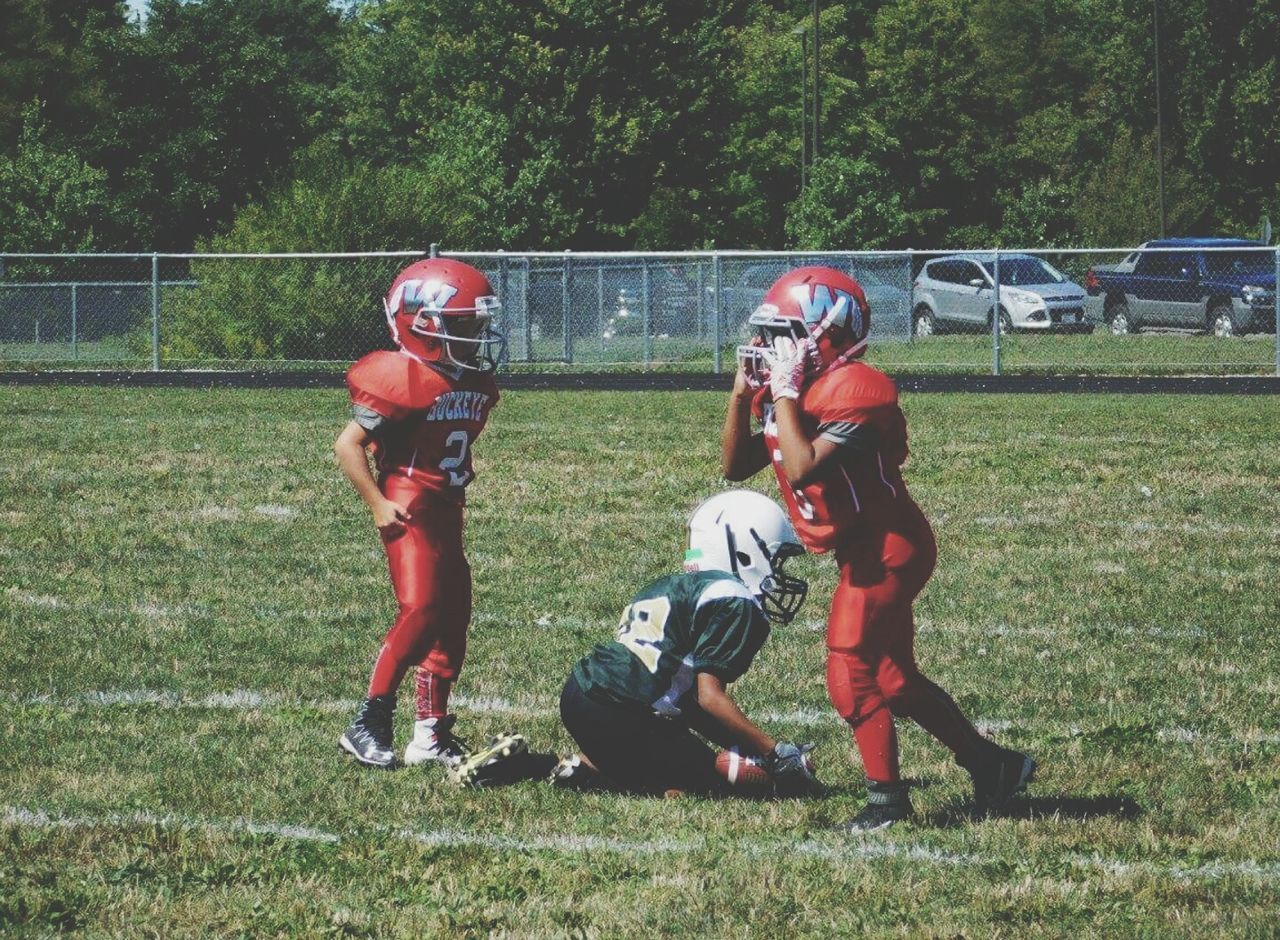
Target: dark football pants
x: 636, y: 750
x: 432, y: 583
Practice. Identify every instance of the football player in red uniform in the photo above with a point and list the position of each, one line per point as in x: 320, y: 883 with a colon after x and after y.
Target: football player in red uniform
x: 832, y: 428
x: 419, y: 409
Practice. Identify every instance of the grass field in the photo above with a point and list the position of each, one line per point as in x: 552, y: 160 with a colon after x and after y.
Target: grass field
x: 191, y: 597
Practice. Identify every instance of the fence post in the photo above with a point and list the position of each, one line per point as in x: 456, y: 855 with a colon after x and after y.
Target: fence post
x: 995, y: 320
x: 717, y: 274
x: 526, y: 328
x: 155, y: 313
x: 600, y: 307
x: 565, y: 325
x: 503, y: 286
x: 74, y: 348
x: 647, y: 321
x: 1276, y: 324
x: 433, y: 250
x: 698, y: 318
x: 911, y: 295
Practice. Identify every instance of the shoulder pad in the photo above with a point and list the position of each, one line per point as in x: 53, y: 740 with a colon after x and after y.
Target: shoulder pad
x: 853, y: 386
x: 393, y: 384
x: 724, y: 589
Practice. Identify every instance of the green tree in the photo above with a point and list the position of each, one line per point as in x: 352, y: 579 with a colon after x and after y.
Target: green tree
x: 211, y: 100
x: 50, y: 198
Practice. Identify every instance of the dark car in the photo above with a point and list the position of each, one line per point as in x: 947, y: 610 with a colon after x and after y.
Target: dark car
x: 1226, y: 286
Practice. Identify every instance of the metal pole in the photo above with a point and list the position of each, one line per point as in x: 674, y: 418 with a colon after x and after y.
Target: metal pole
x: 75, y: 354
x: 1276, y: 324
x: 504, y: 280
x: 433, y: 250
x: 699, y: 325
x: 1159, y: 121
x: 804, y: 100
x: 910, y: 282
x: 718, y: 266
x: 817, y: 87
x: 524, y: 307
x: 646, y: 284
x: 995, y: 321
x: 565, y: 327
x: 155, y: 313
x: 600, y: 306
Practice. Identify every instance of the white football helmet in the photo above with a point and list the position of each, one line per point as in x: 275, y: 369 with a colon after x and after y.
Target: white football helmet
x: 748, y: 535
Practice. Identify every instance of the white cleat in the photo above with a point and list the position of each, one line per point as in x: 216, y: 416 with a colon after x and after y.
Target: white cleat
x: 433, y: 740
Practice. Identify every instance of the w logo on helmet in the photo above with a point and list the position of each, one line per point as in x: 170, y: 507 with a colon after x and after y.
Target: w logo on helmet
x: 823, y: 301
x: 412, y: 296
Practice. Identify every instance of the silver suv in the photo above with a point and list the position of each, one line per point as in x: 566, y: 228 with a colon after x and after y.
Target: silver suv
x: 958, y: 291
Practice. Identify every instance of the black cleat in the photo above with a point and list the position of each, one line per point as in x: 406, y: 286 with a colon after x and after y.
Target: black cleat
x: 572, y: 773
x: 887, y: 803
x: 998, y: 776
x: 369, y: 739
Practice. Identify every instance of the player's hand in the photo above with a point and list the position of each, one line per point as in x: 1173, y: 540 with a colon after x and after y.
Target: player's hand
x: 743, y: 386
x: 788, y: 361
x: 390, y: 517
x: 791, y: 770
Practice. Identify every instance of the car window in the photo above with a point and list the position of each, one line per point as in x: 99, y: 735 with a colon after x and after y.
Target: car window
x: 1015, y: 271
x: 969, y: 271
x: 1239, y: 262
x: 1180, y: 265
x: 1174, y: 264
x: 948, y: 272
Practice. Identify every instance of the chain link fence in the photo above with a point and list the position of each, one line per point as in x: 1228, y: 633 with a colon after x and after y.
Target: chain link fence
x: 1186, y: 309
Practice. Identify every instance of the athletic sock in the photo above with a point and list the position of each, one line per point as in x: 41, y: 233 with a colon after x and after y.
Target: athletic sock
x: 432, y: 694
x: 878, y: 744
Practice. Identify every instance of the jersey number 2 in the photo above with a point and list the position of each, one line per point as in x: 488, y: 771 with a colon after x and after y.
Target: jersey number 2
x: 459, y: 440
x: 641, y: 629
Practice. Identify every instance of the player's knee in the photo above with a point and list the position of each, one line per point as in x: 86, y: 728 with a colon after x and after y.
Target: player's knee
x: 900, y: 690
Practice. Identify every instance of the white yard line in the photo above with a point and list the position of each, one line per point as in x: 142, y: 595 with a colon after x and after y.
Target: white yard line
x: 249, y: 700
x: 844, y: 850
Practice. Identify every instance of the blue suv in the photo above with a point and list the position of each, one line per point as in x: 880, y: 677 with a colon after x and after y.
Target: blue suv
x: 1226, y: 286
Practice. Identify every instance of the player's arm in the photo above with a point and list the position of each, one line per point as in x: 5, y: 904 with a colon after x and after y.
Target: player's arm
x: 719, y: 719
x: 802, y: 457
x: 742, y: 453
x: 351, y: 450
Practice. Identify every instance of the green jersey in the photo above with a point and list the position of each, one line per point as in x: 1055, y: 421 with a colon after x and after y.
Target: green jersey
x: 677, y: 627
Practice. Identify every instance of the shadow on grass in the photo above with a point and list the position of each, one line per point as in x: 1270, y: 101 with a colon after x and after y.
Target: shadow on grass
x: 1043, y: 807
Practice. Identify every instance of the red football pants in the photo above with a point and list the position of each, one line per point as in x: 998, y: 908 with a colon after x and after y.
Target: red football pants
x: 432, y: 583
x: 871, y: 667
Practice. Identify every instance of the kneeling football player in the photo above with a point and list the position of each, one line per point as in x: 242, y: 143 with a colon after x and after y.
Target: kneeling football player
x: 633, y: 704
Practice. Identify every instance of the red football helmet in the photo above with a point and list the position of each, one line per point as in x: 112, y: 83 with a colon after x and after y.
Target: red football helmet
x: 441, y: 310
x: 822, y: 304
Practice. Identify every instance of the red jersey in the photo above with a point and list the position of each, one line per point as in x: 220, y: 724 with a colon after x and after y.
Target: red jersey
x: 861, y: 487
x: 423, y: 420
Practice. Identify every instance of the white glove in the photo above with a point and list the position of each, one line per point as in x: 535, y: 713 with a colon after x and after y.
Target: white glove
x: 788, y: 362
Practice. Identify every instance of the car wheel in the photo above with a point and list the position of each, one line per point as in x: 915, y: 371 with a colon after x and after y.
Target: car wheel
x: 1118, y: 320
x: 923, y: 324
x: 1006, y: 325
x: 1221, y: 322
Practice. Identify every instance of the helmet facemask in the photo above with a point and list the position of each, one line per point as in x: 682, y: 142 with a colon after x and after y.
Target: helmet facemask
x: 780, y: 594
x: 467, y: 336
